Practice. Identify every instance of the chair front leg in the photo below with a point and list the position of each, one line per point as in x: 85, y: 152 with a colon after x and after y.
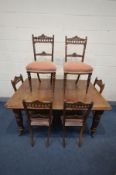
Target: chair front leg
x: 77, y: 79
x: 54, y: 79
x: 51, y: 78
x: 88, y: 82
x: 65, y: 77
x: 38, y: 77
x: 48, y: 139
x: 29, y: 79
x: 31, y: 136
x: 63, y: 136
x: 80, y: 136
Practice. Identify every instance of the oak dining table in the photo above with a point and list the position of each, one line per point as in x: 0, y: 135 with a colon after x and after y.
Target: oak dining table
x: 44, y: 92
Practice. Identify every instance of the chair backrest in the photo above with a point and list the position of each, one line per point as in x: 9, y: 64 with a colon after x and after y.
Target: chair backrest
x: 38, y: 108
x: 99, y: 83
x: 77, y: 110
x: 16, y: 80
x: 75, y: 41
x: 36, y: 40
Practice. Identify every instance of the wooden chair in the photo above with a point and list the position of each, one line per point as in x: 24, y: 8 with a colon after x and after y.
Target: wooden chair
x: 76, y: 67
x: 16, y: 81
x: 75, y: 114
x: 42, y: 67
x: 39, y: 114
x: 99, y: 83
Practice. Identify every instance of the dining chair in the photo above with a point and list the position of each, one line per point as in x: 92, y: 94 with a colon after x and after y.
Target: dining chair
x: 77, y: 67
x: 75, y: 114
x: 39, y: 113
x: 98, y: 83
x: 44, y: 66
x: 15, y: 82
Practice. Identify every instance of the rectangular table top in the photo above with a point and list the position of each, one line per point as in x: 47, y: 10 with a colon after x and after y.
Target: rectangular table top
x: 43, y: 91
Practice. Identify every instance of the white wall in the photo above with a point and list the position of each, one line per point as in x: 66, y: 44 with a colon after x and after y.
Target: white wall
x: 19, y: 19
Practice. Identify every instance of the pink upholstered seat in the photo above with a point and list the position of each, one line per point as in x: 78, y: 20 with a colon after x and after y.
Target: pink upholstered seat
x: 40, y: 121
x: 79, y: 67
x: 73, y: 122
x: 41, y: 66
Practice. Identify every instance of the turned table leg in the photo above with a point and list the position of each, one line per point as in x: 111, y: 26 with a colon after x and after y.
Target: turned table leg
x: 96, y: 120
x: 19, y: 120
